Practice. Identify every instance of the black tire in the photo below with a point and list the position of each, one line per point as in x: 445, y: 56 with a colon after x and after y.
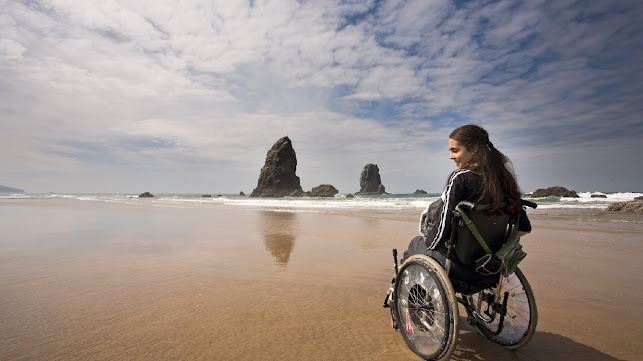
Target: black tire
x: 426, y: 308
x: 520, y: 321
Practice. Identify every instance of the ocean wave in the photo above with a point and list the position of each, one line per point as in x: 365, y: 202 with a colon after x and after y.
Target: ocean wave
x: 611, y: 197
x: 391, y: 202
x: 15, y: 196
x: 585, y: 200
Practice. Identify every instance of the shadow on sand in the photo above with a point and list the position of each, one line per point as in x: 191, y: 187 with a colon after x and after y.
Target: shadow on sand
x: 544, y: 346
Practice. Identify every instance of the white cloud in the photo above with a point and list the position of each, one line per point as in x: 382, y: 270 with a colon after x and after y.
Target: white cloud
x: 11, y: 49
x: 195, y: 85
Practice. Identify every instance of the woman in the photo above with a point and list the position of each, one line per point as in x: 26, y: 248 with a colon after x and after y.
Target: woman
x: 483, y: 176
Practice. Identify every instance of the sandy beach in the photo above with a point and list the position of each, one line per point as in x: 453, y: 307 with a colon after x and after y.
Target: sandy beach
x: 82, y: 280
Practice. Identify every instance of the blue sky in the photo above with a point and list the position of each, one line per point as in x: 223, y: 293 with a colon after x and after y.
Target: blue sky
x: 166, y: 96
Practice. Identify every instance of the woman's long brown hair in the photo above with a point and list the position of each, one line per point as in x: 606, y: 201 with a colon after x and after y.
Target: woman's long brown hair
x: 498, y: 180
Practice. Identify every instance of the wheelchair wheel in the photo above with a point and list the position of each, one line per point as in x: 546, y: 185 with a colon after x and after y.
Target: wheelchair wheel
x: 520, y: 321
x: 426, y: 308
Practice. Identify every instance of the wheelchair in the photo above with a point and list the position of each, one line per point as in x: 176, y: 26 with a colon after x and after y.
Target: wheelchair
x: 423, y: 298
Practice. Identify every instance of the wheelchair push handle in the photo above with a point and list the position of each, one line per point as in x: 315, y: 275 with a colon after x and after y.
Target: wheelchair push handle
x: 466, y: 204
x: 529, y: 203
x: 395, y: 259
x: 390, y: 290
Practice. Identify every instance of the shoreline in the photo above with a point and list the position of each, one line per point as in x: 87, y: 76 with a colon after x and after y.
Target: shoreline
x: 98, y: 280
x: 337, y: 206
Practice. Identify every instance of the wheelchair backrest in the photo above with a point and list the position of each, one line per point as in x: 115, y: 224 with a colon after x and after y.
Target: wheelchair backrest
x: 494, y: 229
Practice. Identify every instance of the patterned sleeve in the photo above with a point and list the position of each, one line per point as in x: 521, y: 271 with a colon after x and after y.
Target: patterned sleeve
x: 456, y: 190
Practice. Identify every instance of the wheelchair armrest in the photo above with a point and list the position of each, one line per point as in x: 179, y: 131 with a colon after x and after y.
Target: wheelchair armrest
x: 529, y: 203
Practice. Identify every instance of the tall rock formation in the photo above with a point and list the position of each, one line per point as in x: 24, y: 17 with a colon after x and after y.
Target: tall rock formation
x: 370, y: 181
x: 277, y: 178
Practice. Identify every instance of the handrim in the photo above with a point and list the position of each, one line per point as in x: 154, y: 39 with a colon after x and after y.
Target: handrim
x: 427, y: 310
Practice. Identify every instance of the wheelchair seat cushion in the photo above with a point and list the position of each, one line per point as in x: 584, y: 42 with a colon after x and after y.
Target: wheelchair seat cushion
x: 464, y: 278
x: 474, y: 286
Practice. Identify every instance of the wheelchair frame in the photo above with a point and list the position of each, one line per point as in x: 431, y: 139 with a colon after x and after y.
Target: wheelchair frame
x: 485, y: 308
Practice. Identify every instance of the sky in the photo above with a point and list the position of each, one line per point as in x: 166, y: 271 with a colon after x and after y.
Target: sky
x: 188, y: 96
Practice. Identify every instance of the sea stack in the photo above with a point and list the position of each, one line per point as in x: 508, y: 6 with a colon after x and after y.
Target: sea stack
x: 277, y: 177
x: 370, y: 181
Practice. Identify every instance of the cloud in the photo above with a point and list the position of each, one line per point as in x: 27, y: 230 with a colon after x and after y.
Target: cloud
x: 204, y: 88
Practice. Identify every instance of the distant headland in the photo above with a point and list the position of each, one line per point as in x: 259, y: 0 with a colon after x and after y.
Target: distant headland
x: 5, y: 189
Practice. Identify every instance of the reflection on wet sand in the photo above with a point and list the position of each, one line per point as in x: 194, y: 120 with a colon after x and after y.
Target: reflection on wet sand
x: 100, y: 281
x: 279, y: 234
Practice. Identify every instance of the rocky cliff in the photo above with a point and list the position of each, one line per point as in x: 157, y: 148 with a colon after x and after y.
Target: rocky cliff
x: 277, y: 177
x: 370, y: 181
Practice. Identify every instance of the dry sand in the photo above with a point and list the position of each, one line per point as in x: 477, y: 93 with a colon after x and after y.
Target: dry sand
x: 101, y: 281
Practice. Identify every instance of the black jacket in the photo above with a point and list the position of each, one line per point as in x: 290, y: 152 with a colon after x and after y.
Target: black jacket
x: 462, y: 185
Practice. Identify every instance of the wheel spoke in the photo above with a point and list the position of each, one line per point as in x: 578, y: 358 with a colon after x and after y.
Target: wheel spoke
x: 521, y: 317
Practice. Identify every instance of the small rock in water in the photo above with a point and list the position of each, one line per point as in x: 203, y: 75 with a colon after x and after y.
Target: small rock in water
x: 553, y: 191
x: 635, y: 206
x: 324, y: 190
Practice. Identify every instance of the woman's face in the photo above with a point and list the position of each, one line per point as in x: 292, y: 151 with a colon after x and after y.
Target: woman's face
x: 459, y: 153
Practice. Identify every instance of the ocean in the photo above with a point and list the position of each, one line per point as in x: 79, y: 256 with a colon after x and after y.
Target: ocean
x: 392, y: 206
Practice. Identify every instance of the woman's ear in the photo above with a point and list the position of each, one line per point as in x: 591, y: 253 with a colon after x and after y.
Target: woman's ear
x: 474, y: 149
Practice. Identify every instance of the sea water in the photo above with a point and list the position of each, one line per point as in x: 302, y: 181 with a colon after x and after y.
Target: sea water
x: 389, y: 204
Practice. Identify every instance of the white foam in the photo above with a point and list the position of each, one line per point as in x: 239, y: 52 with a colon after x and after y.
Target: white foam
x: 15, y: 195
x: 612, y: 197
x: 339, y: 202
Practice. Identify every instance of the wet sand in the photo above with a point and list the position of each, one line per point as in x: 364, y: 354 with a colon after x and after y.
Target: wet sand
x: 84, y: 280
